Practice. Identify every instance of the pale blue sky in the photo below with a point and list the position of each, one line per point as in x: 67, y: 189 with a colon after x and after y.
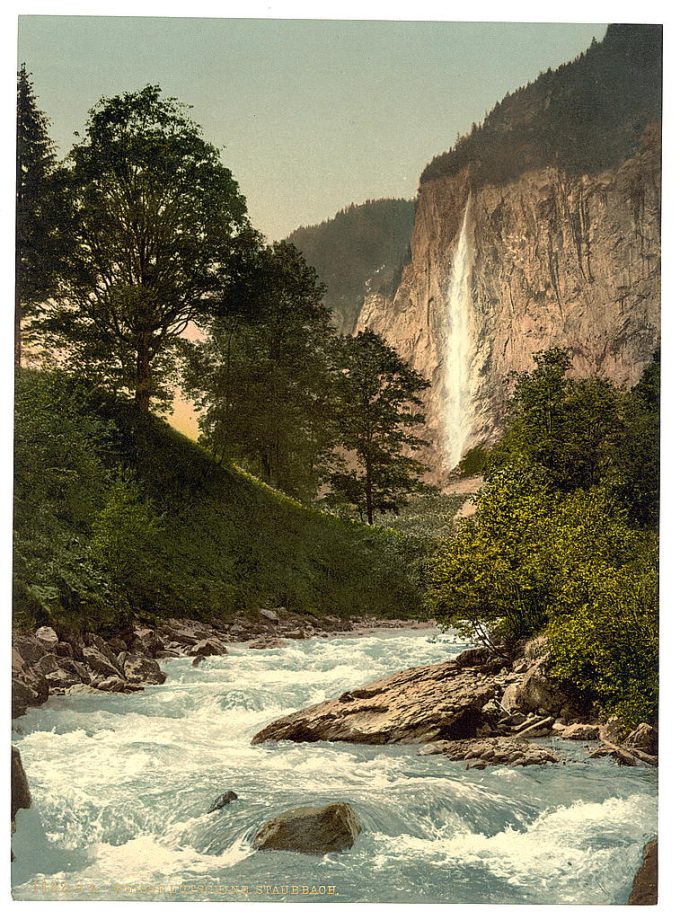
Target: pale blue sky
x: 311, y: 115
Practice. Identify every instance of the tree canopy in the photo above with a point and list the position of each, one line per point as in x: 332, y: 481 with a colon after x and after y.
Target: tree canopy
x: 158, y: 222
x: 377, y: 411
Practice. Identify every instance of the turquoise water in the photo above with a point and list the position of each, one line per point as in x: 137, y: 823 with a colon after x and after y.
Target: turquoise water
x: 121, y: 785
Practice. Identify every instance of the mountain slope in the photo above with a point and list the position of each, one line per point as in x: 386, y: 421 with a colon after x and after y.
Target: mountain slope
x: 362, y: 248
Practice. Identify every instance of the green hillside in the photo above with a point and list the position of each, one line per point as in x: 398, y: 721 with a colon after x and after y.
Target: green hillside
x: 116, y: 515
x: 363, y: 248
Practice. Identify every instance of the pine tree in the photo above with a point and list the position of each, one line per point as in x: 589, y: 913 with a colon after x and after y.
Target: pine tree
x: 41, y: 211
x: 377, y: 410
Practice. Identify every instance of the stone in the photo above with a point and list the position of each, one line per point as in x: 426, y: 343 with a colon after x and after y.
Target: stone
x: 493, y: 751
x: 645, y: 884
x: 63, y: 650
x: 47, y: 663
x: 30, y: 649
x: 327, y: 829
x: 47, y: 636
x: 613, y: 731
x: 21, y: 794
x: 110, y: 684
x: 580, y: 732
x: 208, y: 647
x: 28, y: 689
x: 270, y: 615
x: 440, y: 701
x: 198, y: 660
x: 643, y: 738
x: 225, y: 799
x: 146, y: 641
x: 61, y: 679
x: 139, y: 670
x: 267, y: 642
x: 533, y: 690
x: 99, y: 664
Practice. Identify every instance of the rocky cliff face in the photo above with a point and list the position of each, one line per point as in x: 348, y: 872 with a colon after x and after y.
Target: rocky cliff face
x: 551, y: 258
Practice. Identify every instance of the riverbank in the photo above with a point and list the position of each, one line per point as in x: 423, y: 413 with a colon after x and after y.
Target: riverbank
x: 478, y: 707
x: 65, y: 661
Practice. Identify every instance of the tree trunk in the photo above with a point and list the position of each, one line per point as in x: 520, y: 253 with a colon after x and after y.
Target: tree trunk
x: 17, y: 331
x: 369, y: 492
x: 143, y: 374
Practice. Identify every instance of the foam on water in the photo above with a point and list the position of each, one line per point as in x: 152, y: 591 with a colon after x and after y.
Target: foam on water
x: 122, y: 785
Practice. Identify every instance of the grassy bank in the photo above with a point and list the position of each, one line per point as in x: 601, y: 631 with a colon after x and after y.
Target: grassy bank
x: 117, y: 515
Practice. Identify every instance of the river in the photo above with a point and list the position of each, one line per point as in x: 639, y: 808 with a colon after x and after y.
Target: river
x: 122, y: 784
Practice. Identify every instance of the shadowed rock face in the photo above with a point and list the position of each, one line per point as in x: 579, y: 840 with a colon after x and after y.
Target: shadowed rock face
x: 433, y: 703
x: 646, y: 881
x: 21, y: 795
x: 311, y: 830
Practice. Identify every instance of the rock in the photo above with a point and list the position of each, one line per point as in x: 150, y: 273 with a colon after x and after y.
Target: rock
x: 117, y: 645
x: 21, y: 794
x: 146, y: 641
x: 422, y: 704
x: 103, y: 648
x: 139, y: 670
x: 167, y: 653
x: 645, y: 884
x: 478, y: 657
x: 208, y: 647
x: 110, y: 684
x: 580, y: 732
x: 643, y: 738
x: 311, y: 830
x: 621, y: 755
x: 533, y: 690
x: 47, y: 637
x: 61, y: 679
x: 511, y: 751
x: 199, y: 659
x: 29, y: 648
x: 47, y: 663
x: 100, y: 664
x: 225, y: 799
x: 270, y: 615
x: 63, y: 650
x: 267, y: 642
x: 28, y: 689
x: 612, y: 731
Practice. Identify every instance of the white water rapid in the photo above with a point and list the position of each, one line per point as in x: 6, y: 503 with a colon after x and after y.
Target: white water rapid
x: 457, y: 417
x: 122, y: 786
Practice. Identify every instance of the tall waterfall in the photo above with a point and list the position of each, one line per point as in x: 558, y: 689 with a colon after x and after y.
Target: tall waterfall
x: 457, y: 417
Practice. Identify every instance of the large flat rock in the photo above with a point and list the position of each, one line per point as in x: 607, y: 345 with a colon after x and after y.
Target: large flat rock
x: 438, y: 702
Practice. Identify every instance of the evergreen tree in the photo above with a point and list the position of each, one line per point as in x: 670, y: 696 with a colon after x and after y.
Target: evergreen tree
x: 41, y: 211
x: 377, y: 410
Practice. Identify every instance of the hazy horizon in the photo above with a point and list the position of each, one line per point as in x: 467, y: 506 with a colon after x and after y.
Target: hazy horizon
x: 311, y: 115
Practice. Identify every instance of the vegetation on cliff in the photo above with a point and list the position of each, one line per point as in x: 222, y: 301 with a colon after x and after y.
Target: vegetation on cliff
x: 586, y: 116
x: 362, y: 249
x: 565, y: 537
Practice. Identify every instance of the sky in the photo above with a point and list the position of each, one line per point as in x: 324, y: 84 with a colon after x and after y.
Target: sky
x: 310, y: 115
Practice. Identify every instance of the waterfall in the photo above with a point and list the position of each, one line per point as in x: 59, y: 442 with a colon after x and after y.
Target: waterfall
x: 457, y: 417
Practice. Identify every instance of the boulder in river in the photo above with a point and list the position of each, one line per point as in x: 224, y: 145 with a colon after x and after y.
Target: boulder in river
x: 208, y: 647
x: 441, y: 701
x: 645, y: 884
x: 225, y: 799
x: 140, y: 670
x: 328, y: 829
x: 21, y: 794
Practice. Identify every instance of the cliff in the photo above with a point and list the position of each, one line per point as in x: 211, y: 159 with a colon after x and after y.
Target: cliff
x: 510, y: 261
